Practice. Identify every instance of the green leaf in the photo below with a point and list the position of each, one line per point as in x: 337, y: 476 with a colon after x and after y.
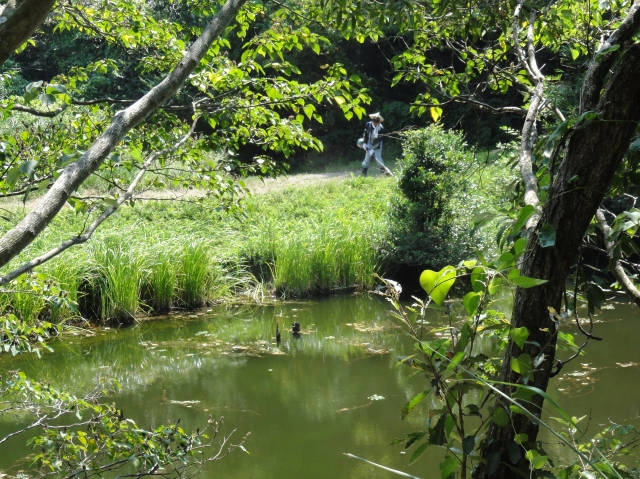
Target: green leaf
x: 588, y: 116
x: 515, y: 453
x: 500, y: 417
x: 33, y: 86
x: 29, y: 96
x: 56, y: 88
x: 574, y: 53
x: 471, y: 301
x: 520, y: 245
x: 547, y: 236
x: 595, y: 297
x: 525, y: 213
x: 29, y: 167
x: 13, y: 176
x: 536, y: 460
x: 474, y: 410
x: 413, y: 403
x: 526, y: 282
x: 308, y: 110
x: 272, y: 93
x: 519, y: 336
x: 78, y: 206
x: 522, y: 364
x: 437, y: 285
x: 468, y: 444
x: 470, y: 264
x: 604, y: 51
x: 493, y: 462
x: 494, y: 284
x: 447, y: 466
x: 464, y: 337
x: 521, y: 438
x: 505, y: 260
x: 436, y: 434
x: 456, y: 360
x: 46, y: 99
x: 418, y: 452
x: 478, y: 279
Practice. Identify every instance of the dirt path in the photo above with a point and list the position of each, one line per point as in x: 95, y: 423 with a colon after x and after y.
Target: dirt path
x: 256, y: 186
x: 275, y: 184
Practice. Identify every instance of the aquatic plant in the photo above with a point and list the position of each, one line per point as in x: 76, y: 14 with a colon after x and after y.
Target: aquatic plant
x: 116, y: 274
x: 194, y: 276
x: 159, y: 283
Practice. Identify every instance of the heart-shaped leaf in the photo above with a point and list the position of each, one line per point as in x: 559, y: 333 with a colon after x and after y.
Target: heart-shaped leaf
x: 437, y: 284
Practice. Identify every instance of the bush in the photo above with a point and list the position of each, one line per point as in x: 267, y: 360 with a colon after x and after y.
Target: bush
x: 432, y: 163
x: 426, y: 229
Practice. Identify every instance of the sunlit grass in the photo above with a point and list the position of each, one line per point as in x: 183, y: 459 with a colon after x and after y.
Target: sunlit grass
x: 157, y: 256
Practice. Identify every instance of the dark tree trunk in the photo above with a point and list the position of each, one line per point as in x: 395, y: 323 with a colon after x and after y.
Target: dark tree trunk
x: 594, y: 152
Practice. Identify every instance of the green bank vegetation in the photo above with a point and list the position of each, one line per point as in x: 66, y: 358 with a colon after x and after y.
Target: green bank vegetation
x: 319, y: 238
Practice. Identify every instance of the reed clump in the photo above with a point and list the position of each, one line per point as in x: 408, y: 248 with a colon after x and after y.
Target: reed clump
x: 164, y: 255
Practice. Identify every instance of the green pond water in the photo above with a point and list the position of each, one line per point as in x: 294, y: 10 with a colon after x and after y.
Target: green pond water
x: 336, y: 389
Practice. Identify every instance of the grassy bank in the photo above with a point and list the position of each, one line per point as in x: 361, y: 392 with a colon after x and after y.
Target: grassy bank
x: 328, y: 235
x: 162, y: 255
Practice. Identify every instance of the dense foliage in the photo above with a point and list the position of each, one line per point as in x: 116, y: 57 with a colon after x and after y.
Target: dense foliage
x: 246, y: 95
x: 434, y: 165
x: 444, y: 186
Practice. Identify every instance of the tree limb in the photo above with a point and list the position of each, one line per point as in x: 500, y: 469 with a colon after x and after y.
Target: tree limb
x: 529, y: 132
x: 601, y: 64
x: 615, y: 264
x: 52, y: 253
x: 21, y: 19
x: 19, y: 237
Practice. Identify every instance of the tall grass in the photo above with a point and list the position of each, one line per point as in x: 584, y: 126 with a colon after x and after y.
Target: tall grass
x: 157, y: 256
x: 194, y: 277
x: 160, y: 282
x: 325, y: 257
x: 118, y: 271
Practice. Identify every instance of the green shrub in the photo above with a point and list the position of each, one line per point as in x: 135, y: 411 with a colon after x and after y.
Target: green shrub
x: 433, y: 162
x: 426, y: 227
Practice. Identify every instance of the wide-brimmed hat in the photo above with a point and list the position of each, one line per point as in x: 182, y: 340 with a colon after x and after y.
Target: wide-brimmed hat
x: 376, y: 116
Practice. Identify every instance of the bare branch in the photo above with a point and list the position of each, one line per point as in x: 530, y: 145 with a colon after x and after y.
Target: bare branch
x: 74, y: 174
x: 478, y: 105
x: 615, y: 264
x: 527, y: 142
x: 52, y: 253
x: 42, y: 113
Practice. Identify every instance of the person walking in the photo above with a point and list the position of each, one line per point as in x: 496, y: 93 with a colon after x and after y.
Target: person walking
x: 373, y: 142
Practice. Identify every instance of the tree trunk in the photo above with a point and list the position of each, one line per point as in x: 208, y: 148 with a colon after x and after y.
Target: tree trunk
x: 594, y: 152
x: 19, y: 237
x: 19, y: 19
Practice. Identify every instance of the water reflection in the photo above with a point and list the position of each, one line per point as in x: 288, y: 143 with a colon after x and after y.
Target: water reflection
x: 306, y: 400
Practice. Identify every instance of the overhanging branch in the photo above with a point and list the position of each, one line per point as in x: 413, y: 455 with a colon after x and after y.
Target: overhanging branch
x: 83, y: 238
x: 18, y: 20
x: 19, y: 237
x: 615, y: 264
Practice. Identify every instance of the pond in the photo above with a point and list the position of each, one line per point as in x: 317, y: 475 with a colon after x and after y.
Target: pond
x: 336, y: 389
